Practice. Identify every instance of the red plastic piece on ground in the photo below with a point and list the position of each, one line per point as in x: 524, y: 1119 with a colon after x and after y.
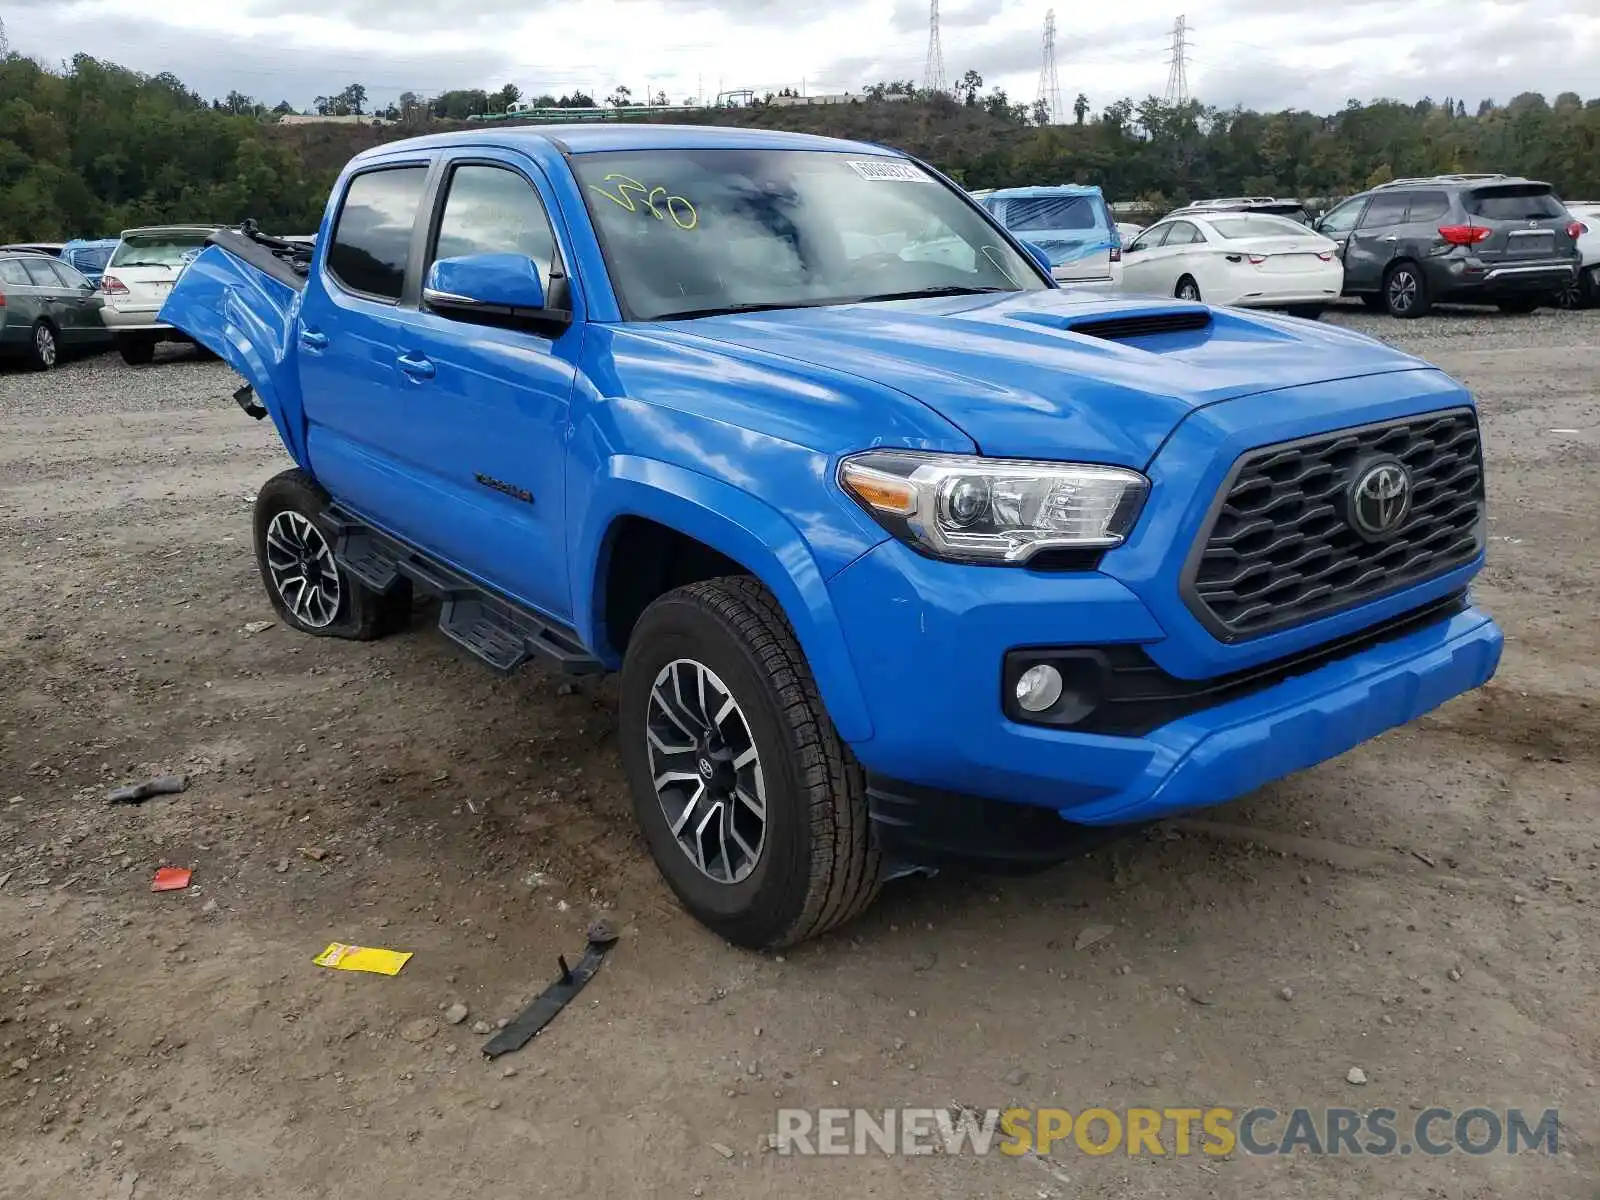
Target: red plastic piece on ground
x: 171, y: 879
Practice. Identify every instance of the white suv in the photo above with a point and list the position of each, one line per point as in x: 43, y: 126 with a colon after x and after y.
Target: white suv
x: 142, y: 270
x: 1584, y: 291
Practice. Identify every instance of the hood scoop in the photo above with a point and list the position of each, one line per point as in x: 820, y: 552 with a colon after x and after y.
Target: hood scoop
x: 1144, y: 324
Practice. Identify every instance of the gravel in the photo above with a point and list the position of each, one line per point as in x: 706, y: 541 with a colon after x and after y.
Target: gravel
x: 103, y: 383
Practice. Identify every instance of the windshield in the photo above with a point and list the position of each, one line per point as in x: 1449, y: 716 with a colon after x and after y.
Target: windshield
x: 1255, y: 226
x: 157, y: 249
x: 694, y: 232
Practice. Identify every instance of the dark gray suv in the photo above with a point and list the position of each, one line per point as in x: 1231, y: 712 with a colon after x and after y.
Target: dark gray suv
x: 1468, y: 239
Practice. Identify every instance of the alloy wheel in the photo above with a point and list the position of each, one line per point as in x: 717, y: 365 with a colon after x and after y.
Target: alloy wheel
x: 1402, y: 291
x: 303, y: 570
x: 1188, y: 290
x: 1571, y: 293
x: 706, y: 771
x: 44, y: 342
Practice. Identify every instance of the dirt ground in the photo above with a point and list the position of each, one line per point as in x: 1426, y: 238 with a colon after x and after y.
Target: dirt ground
x: 1428, y: 899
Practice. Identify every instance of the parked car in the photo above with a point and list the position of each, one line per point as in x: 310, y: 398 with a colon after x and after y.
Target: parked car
x: 1127, y: 231
x: 1584, y: 291
x: 1467, y: 239
x: 47, y: 308
x: 137, y: 280
x: 898, y: 559
x: 1270, y: 206
x: 53, y: 249
x: 89, y: 255
x: 1235, y: 258
x: 1072, y: 224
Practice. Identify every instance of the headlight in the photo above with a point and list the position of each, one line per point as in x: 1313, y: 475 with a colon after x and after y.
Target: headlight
x: 994, y: 510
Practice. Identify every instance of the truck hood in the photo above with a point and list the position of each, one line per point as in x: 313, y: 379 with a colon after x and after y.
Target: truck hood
x: 1056, y: 372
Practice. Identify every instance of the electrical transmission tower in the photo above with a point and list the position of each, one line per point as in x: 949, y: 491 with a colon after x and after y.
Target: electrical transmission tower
x: 1177, y: 72
x: 1049, y: 81
x: 933, y: 73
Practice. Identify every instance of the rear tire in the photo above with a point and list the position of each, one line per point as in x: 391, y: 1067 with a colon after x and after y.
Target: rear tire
x: 309, y: 589
x: 1187, y: 289
x: 136, y: 351
x: 44, y: 351
x: 1405, y: 291
x: 808, y: 862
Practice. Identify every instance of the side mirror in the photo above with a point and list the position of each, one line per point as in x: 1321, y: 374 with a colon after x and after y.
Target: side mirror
x: 1039, y: 255
x: 479, y: 286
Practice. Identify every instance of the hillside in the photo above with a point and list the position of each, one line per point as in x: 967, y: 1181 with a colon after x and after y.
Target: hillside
x: 97, y: 148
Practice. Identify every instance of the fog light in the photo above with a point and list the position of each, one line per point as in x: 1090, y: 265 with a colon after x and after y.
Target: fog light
x: 1038, y: 688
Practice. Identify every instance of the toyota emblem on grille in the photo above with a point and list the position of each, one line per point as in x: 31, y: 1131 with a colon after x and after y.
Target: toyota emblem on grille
x: 1380, y: 499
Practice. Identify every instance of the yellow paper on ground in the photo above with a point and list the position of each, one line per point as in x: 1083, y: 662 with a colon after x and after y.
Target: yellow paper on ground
x: 362, y: 958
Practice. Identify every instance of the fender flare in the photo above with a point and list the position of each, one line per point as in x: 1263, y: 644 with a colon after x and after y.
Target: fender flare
x: 745, y: 529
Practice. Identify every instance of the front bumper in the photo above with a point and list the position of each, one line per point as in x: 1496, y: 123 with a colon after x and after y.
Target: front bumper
x: 929, y: 647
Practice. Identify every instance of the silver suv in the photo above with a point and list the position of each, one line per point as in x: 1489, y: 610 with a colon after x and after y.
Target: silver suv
x: 1467, y: 239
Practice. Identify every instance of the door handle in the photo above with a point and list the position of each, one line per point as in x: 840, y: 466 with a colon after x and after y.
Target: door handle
x: 312, y: 340
x: 417, y: 368
x: 1391, y: 239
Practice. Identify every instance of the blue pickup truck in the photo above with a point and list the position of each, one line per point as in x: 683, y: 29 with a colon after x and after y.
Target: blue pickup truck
x: 903, y: 552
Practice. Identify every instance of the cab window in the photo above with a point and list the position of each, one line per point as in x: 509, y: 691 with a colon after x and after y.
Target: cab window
x: 494, y: 210
x: 372, y: 239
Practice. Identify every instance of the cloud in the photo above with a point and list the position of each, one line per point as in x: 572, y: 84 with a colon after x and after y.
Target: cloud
x: 1261, y: 53
x: 911, y: 16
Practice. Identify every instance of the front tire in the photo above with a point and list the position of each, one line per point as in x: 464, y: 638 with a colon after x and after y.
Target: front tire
x: 754, y: 810
x: 1373, y: 301
x: 1187, y: 289
x: 43, y: 349
x: 1405, y: 291
x: 309, y: 589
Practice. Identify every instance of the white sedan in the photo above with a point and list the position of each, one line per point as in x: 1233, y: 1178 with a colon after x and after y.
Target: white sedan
x: 1236, y: 258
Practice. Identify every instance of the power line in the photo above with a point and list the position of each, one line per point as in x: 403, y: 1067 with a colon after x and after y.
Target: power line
x: 1177, y: 66
x: 933, y: 70
x: 1049, y: 82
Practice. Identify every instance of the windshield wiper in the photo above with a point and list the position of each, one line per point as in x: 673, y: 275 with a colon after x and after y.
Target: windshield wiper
x: 949, y: 289
x: 946, y: 289
x: 753, y: 306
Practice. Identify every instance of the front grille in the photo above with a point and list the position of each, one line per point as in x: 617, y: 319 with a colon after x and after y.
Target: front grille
x: 1280, y: 548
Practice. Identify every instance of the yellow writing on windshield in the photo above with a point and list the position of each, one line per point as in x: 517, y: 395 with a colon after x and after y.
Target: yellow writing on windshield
x: 653, y: 200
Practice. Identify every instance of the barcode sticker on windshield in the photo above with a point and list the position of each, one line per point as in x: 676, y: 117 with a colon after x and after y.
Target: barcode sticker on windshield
x: 879, y: 169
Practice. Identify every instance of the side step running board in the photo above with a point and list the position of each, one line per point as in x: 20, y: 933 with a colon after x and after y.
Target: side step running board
x: 498, y: 632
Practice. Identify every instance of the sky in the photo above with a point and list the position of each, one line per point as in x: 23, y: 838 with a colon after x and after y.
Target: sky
x: 1264, y: 54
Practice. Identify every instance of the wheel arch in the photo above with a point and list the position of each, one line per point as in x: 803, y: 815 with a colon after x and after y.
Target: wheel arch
x: 646, y: 513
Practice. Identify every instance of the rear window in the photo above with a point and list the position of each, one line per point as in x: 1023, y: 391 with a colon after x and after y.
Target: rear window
x: 1516, y: 202
x: 157, y: 249
x: 1053, y: 213
x: 11, y: 272
x: 1256, y: 225
x: 93, y: 258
